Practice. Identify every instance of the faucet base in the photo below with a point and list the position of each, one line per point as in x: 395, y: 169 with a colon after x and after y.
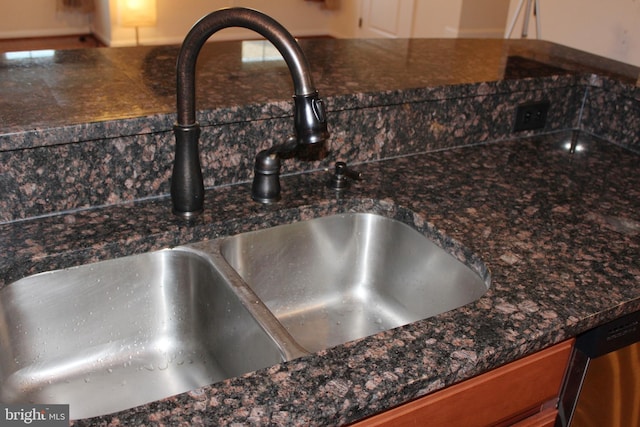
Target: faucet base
x: 187, y: 215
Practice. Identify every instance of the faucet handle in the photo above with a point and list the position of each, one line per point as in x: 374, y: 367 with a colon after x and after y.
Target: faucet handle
x: 342, y: 177
x: 266, y: 180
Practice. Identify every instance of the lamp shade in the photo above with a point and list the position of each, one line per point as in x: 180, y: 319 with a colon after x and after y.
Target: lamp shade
x: 137, y: 13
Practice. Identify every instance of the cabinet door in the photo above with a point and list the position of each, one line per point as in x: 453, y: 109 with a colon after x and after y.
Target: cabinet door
x: 503, y: 395
x: 546, y: 418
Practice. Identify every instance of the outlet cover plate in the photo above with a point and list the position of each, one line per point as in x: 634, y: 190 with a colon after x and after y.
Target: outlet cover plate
x: 531, y: 116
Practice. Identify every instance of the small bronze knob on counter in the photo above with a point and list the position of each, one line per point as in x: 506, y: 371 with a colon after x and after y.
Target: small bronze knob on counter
x: 342, y: 177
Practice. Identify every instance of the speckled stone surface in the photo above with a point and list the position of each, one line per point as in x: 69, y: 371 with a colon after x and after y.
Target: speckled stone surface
x: 100, y: 131
x: 559, y: 231
x: 560, y: 234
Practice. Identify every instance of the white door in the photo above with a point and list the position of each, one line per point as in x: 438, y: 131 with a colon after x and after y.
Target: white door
x: 385, y: 18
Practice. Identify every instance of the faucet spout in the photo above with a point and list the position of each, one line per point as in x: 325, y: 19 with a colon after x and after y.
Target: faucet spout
x: 187, y: 188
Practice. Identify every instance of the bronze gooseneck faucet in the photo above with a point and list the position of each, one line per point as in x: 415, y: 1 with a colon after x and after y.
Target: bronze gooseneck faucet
x: 187, y: 187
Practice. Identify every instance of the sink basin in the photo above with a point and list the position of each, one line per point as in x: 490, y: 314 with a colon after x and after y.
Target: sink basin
x: 335, y: 279
x: 116, y: 334
x: 112, y: 335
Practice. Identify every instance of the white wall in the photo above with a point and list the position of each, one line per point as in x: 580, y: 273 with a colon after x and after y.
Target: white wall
x: 101, y: 22
x: 483, y: 18
x: 608, y: 28
x: 343, y: 23
x: 34, y: 18
x: 176, y: 17
x: 432, y: 18
x: 436, y: 18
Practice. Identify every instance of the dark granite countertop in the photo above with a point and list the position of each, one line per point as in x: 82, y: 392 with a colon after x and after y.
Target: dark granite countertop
x: 429, y: 126
x: 91, y: 93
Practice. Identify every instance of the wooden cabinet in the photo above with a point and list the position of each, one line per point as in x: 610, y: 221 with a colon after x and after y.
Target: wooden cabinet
x: 522, y: 393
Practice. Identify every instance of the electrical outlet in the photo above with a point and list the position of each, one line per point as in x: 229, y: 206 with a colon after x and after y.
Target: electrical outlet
x: 531, y: 116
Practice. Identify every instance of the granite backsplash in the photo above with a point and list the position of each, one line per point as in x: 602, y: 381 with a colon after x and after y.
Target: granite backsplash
x: 60, y: 167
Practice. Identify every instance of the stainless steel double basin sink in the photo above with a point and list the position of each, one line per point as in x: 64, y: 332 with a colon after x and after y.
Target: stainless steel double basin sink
x: 116, y: 334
